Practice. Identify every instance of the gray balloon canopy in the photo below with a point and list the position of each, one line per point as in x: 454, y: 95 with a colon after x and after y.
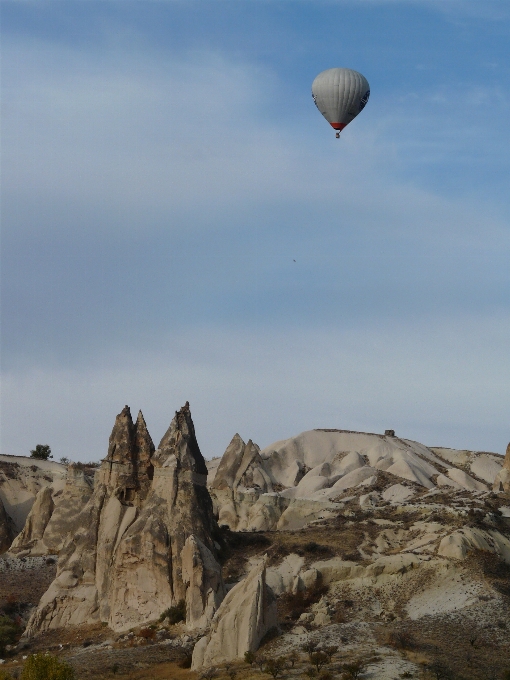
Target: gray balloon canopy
x: 340, y: 94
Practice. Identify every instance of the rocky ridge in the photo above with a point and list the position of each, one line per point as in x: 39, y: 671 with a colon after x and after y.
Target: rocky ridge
x: 403, y: 532
x: 311, y: 476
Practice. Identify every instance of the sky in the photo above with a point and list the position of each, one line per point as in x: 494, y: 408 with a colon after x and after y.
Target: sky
x: 180, y: 223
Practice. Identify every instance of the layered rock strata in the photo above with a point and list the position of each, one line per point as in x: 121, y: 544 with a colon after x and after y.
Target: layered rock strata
x: 124, y: 564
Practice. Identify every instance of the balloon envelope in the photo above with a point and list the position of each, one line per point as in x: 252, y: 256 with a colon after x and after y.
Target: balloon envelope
x: 340, y: 94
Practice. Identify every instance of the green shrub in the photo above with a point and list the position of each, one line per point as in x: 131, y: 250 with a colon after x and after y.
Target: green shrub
x: 8, y: 633
x: 353, y: 670
x: 249, y: 657
x: 175, y: 614
x: 41, y: 452
x: 46, y: 667
x: 274, y: 667
x: 319, y: 659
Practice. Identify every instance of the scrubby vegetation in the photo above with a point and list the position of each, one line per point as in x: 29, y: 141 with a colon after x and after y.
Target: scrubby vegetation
x: 41, y: 452
x: 175, y: 614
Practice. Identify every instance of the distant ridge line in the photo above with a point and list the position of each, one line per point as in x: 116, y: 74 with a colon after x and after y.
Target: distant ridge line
x: 375, y: 434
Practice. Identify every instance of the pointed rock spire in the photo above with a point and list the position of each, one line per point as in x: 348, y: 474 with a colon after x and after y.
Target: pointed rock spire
x: 123, y: 563
x: 144, y: 450
x: 122, y: 438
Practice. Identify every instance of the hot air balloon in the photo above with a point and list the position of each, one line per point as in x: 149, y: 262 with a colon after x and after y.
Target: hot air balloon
x: 340, y: 94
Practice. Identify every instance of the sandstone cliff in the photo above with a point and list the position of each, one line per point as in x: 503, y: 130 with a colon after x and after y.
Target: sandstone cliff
x: 53, y: 516
x: 123, y: 565
x: 21, y: 479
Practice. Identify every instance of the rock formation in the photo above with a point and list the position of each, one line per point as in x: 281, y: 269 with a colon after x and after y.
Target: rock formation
x: 124, y: 563
x: 6, y: 531
x: 53, y: 516
x: 502, y: 481
x: 238, y: 483
x: 307, y: 478
x: 246, y: 614
x: 21, y: 479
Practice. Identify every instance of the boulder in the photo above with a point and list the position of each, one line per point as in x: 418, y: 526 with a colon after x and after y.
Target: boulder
x: 246, y: 614
x: 281, y: 579
x: 307, y: 580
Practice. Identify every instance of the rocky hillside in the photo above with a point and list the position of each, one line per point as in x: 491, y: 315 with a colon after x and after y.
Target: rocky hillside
x: 377, y: 546
x: 313, y: 475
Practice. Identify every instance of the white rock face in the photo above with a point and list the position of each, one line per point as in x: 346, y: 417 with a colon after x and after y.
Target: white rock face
x: 246, y: 614
x: 397, y: 493
x: 460, y: 543
x: 282, y: 579
x: 21, y: 479
x: 53, y: 516
x: 238, y: 482
x: 205, y: 588
x: 321, y: 466
x: 465, y: 481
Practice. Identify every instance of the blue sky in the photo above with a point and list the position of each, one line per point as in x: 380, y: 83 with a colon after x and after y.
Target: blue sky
x: 163, y: 167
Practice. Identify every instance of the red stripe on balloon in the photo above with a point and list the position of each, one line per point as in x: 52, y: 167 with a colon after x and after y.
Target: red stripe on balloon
x: 338, y: 126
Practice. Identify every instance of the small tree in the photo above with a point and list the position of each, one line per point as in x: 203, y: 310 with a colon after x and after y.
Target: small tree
x: 41, y: 452
x: 310, y: 646
x: 46, y: 667
x: 275, y: 666
x: 175, y: 614
x: 293, y: 657
x: 353, y: 670
x: 330, y: 650
x: 249, y: 657
x: 9, y: 632
x: 440, y: 670
x: 326, y: 675
x: 319, y: 659
x: 260, y: 661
